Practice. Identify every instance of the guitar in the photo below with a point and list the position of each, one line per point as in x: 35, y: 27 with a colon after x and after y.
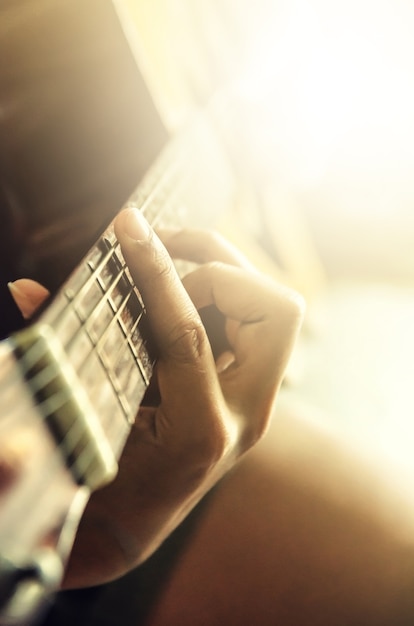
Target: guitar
x: 72, y: 380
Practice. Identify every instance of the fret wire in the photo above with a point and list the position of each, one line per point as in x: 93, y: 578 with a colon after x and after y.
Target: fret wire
x: 43, y: 378
x: 80, y: 463
x: 155, y: 195
x: 50, y: 405
x: 159, y: 183
x: 88, y: 283
x: 97, y: 346
x: 96, y: 350
x: 70, y: 439
x: 157, y: 188
x: 58, y: 456
x: 82, y: 460
x: 115, y: 320
x: 94, y: 272
x: 106, y: 294
x: 32, y: 355
x: 95, y: 277
x: 116, y: 315
x: 133, y: 328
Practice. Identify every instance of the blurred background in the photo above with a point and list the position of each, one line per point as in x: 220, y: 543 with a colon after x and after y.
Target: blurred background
x: 322, y: 95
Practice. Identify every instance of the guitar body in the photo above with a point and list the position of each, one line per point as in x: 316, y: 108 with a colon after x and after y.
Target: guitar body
x: 79, y: 137
x: 78, y: 130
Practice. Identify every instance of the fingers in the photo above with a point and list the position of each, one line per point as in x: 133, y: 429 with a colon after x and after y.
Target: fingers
x: 171, y: 312
x: 243, y: 296
x: 202, y: 246
x: 263, y: 317
x: 28, y: 295
x: 185, y: 361
x: 269, y: 315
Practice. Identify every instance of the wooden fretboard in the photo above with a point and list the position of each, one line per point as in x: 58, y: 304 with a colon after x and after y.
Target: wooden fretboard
x: 98, y: 316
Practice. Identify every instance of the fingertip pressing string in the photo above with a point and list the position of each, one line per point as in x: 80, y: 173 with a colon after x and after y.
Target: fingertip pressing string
x: 135, y: 225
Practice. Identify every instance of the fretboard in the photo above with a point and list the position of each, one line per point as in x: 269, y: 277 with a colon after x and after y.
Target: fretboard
x: 98, y: 316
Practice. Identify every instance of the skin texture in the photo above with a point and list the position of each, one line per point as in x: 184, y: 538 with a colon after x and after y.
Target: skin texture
x: 209, y: 413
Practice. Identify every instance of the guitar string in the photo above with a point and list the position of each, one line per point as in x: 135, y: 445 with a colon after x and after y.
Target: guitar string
x: 47, y: 477
x: 86, y: 458
x: 114, y: 248
x: 57, y: 454
x: 113, y: 255
x: 50, y: 406
x: 158, y: 185
x: 59, y: 398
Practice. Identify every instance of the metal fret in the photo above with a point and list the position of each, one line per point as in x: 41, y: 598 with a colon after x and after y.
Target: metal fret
x: 99, y: 316
x: 63, y: 404
x: 103, y: 339
x: 83, y: 367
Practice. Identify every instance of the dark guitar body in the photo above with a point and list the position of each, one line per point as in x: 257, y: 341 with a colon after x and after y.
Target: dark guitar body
x: 78, y: 128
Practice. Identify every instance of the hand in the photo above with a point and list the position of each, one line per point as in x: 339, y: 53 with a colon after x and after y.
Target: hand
x: 209, y: 412
x: 28, y: 295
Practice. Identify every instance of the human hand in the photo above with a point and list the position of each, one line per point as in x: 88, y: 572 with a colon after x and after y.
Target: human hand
x: 209, y: 412
x: 28, y: 295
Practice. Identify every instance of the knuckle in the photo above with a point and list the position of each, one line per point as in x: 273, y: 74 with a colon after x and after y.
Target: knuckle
x: 291, y: 305
x: 215, y: 265
x: 217, y: 444
x: 296, y: 306
x: 254, y: 431
x: 214, y: 238
x: 149, y: 263
x: 188, y: 341
x: 209, y: 242
x: 162, y: 268
x: 206, y: 449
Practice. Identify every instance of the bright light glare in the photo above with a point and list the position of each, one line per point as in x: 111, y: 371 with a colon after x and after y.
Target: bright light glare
x: 337, y: 80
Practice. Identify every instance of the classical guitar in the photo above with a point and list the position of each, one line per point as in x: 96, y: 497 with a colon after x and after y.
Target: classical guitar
x: 79, y: 130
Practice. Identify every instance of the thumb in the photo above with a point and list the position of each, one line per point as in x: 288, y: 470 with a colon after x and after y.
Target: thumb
x: 28, y: 295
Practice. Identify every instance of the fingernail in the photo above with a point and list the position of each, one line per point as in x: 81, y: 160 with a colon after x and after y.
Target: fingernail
x: 136, y: 226
x: 28, y: 295
x: 21, y: 299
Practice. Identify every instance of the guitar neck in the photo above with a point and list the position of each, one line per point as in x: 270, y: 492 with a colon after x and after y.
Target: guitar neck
x: 73, y: 380
x: 98, y: 317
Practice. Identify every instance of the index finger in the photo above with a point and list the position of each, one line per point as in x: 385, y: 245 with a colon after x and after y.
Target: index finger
x: 268, y: 317
x: 178, y: 331
x: 202, y: 246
